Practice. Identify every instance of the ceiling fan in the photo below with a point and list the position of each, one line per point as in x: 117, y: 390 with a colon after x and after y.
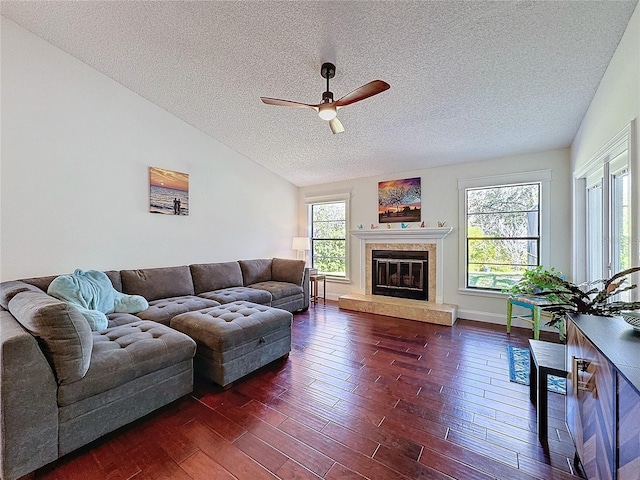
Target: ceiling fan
x: 328, y: 109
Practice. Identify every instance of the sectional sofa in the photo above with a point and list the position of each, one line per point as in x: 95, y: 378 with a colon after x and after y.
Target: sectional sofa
x: 63, y: 385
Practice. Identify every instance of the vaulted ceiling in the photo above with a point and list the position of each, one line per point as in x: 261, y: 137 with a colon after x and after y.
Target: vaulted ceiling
x: 469, y: 80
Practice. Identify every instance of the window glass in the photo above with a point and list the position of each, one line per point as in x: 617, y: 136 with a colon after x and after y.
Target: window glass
x: 595, y: 244
x: 503, y: 234
x: 620, y: 226
x: 328, y: 238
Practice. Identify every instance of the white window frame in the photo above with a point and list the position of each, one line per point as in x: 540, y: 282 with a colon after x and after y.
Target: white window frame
x: 538, y: 176
x: 595, y: 265
x: 334, y: 198
x: 618, y: 166
x: 602, y: 166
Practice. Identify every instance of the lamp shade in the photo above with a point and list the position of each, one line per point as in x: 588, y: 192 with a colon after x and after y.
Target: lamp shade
x: 327, y: 111
x: 301, y: 243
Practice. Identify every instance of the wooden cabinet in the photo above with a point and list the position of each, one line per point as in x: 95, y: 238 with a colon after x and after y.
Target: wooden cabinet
x: 603, y: 396
x: 628, y: 431
x: 591, y: 405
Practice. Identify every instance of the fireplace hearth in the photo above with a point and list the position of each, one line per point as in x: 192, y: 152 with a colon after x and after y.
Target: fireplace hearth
x: 402, y: 274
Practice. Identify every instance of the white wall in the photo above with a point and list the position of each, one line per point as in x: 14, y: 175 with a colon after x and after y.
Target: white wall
x: 615, y: 104
x: 440, y: 203
x: 76, y: 147
x: 617, y: 100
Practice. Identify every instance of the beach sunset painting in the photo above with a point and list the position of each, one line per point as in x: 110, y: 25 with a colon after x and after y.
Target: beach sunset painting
x: 168, y: 192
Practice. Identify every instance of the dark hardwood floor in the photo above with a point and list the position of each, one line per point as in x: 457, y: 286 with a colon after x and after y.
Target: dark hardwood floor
x: 360, y: 396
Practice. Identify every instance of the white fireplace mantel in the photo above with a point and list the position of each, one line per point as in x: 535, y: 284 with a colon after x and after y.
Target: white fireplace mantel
x: 406, y: 235
x: 409, y: 234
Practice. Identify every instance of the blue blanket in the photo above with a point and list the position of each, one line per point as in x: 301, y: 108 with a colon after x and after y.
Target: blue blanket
x: 93, y: 294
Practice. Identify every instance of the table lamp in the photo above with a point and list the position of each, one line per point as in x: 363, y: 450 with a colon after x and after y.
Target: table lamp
x: 301, y: 245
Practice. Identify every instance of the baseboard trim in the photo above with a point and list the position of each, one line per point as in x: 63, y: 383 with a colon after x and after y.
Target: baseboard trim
x: 498, y: 319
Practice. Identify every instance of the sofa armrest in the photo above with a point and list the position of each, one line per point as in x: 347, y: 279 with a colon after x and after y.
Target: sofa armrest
x: 28, y: 406
x: 305, y: 287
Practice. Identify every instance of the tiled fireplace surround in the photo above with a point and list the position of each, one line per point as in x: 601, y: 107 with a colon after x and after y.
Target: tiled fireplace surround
x: 420, y: 239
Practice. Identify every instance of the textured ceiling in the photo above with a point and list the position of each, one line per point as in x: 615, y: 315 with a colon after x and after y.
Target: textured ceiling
x: 469, y: 80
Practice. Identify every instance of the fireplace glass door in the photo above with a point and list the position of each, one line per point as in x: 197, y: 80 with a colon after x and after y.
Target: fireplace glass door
x: 400, y: 274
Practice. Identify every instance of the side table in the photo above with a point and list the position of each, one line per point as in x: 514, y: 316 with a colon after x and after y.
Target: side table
x: 546, y: 359
x: 315, y: 279
x: 531, y: 303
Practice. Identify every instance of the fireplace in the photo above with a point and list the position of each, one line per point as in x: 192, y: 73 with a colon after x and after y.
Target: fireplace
x: 400, y: 273
x: 397, y: 272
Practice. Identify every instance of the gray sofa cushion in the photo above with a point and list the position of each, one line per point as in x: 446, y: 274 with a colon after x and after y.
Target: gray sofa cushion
x: 208, y: 277
x: 292, y: 303
x: 279, y: 290
x: 236, y: 294
x: 41, y: 282
x: 286, y: 270
x: 254, y: 271
x: 164, y: 309
x: 155, y: 283
x: 126, y: 352
x: 116, y: 280
x: 116, y: 319
x: 8, y: 290
x: 62, y: 332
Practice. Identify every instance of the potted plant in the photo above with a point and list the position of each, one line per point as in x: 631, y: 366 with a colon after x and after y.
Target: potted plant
x: 535, y: 281
x: 588, y: 298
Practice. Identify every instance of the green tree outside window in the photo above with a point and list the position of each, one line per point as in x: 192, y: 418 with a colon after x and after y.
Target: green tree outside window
x: 328, y: 238
x: 503, y: 234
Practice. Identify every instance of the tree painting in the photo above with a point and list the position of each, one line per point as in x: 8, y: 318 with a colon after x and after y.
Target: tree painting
x: 399, y: 201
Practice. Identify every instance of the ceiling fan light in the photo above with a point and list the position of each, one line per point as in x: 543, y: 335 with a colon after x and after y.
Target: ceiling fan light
x: 327, y: 112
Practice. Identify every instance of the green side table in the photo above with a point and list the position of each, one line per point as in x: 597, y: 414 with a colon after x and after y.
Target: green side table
x: 532, y: 303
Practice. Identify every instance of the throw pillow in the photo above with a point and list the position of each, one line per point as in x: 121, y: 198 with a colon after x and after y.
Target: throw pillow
x: 10, y: 289
x: 286, y: 270
x: 62, y: 332
x: 255, y: 271
x: 208, y: 277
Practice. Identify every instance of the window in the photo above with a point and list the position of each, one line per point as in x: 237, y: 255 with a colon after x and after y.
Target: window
x: 608, y: 218
x: 595, y: 260
x: 504, y: 225
x: 329, y: 227
x: 620, y: 221
x: 607, y: 224
x: 503, y: 234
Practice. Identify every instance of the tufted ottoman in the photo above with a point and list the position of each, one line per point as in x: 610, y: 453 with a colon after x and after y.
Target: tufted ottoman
x: 236, y: 338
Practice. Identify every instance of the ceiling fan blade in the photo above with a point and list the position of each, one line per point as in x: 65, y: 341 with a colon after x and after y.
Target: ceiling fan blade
x: 287, y: 103
x: 336, y: 126
x: 369, y: 90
